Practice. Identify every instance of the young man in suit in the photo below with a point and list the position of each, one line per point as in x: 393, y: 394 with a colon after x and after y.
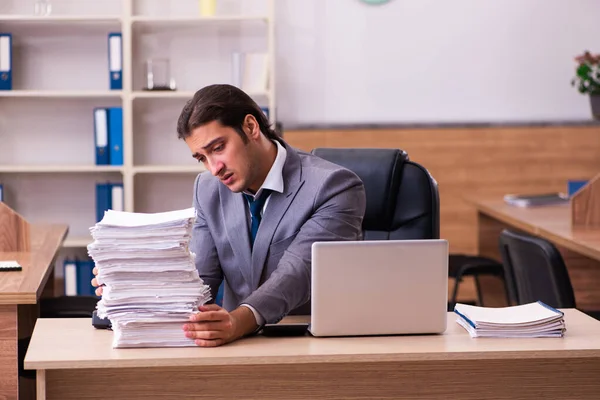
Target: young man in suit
x: 258, y: 211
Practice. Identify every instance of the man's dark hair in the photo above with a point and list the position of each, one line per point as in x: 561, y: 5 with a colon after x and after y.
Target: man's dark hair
x: 226, y: 104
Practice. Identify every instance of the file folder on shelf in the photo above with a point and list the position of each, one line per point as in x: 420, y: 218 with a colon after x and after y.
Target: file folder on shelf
x: 115, y: 61
x: 109, y: 196
x: 115, y: 135
x: 1, y: 193
x: 103, y: 199
x: 78, y: 276
x: 84, y: 278
x: 5, y: 61
x: 117, y: 200
x: 101, y: 136
x: 70, y: 274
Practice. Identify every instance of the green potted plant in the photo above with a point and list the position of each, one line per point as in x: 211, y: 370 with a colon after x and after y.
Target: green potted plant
x: 587, y: 79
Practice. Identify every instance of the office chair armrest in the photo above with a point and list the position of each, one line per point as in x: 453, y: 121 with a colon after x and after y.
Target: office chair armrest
x: 474, y: 269
x: 479, y: 269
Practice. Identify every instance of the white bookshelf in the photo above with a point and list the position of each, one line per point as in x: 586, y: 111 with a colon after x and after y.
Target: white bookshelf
x: 77, y: 242
x: 66, y: 94
x: 41, y: 169
x: 168, y: 169
x: 186, y: 20
x: 60, y: 74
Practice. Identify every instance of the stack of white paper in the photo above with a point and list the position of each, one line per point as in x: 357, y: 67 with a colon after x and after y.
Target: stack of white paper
x: 151, y: 282
x: 527, y: 320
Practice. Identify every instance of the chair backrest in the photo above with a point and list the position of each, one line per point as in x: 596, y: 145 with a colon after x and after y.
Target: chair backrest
x: 534, y: 270
x: 402, y: 197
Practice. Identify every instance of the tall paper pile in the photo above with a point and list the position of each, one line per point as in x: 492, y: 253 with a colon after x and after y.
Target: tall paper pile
x: 151, y: 282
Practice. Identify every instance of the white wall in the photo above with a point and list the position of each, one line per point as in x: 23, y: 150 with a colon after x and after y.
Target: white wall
x: 341, y: 61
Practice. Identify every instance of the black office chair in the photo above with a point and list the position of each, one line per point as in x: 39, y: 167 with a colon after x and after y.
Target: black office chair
x: 535, y: 270
x: 402, y: 197
x: 403, y: 203
x: 462, y: 265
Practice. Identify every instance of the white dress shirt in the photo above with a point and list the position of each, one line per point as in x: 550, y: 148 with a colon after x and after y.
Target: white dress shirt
x: 274, y: 182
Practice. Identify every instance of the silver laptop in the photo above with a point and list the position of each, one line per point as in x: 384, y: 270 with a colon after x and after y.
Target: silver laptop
x: 387, y: 287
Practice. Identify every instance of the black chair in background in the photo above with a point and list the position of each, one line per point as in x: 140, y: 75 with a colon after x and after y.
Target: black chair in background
x: 462, y: 265
x: 402, y: 197
x: 535, y: 270
x: 403, y: 203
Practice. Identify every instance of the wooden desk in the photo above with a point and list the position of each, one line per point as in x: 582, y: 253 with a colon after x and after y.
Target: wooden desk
x: 579, y: 247
x: 76, y: 361
x: 19, y: 294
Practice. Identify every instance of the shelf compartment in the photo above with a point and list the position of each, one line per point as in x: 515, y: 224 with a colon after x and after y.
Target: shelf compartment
x: 67, y: 198
x: 62, y: 94
x: 41, y: 62
x: 74, y: 242
x: 45, y: 169
x: 189, y: 9
x: 88, y: 9
x: 169, y: 169
x: 27, y: 123
x: 158, y: 193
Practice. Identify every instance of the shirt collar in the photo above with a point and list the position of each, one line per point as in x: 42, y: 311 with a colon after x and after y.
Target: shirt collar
x: 274, y: 179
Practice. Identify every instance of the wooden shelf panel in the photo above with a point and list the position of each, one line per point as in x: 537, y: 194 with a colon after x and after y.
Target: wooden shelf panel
x: 179, y: 21
x: 60, y: 19
x: 63, y: 94
x: 141, y: 94
x: 77, y: 242
x: 168, y: 169
x: 59, y: 168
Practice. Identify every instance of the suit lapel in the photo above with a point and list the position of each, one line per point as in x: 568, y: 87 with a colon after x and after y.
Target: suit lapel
x: 233, y: 212
x: 276, y: 208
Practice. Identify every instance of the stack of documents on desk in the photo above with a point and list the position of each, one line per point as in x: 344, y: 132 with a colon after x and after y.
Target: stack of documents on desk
x: 544, y: 199
x: 527, y: 320
x: 151, y: 282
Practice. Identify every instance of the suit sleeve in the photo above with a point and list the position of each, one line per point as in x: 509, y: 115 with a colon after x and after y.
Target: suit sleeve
x: 339, y: 210
x: 203, y: 246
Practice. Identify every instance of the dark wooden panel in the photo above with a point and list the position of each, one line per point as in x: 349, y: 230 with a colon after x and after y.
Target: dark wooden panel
x: 478, y: 161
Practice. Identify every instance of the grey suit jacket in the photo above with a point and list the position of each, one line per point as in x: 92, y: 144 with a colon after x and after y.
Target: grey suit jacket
x: 321, y: 201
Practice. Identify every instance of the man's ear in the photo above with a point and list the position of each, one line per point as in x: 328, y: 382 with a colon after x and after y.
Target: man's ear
x: 251, y: 126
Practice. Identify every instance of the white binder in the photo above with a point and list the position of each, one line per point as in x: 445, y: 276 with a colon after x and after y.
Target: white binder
x: 70, y: 271
x: 117, y: 197
x: 256, y: 73
x: 5, y: 61
x: 115, y: 60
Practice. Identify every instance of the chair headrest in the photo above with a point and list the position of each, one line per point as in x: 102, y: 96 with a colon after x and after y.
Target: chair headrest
x: 381, y: 172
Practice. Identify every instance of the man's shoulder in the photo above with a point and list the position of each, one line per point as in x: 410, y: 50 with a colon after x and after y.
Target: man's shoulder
x: 314, y: 166
x: 206, y: 186
x: 317, y: 164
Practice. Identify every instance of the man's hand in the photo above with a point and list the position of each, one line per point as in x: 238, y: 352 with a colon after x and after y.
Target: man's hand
x: 95, y: 282
x: 214, y: 326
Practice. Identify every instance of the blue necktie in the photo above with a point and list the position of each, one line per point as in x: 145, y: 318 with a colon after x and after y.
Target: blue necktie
x: 256, y: 206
